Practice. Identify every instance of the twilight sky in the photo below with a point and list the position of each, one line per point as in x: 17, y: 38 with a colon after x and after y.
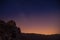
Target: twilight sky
x: 32, y: 16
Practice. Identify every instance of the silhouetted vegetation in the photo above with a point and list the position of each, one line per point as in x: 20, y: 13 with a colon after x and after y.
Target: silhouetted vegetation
x: 9, y: 31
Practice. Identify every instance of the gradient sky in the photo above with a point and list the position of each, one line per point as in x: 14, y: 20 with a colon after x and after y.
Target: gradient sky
x: 32, y: 16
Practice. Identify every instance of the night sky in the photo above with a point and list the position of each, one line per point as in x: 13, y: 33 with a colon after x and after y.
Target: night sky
x: 32, y: 16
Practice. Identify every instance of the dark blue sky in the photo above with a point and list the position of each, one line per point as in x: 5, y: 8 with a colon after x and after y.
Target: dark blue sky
x: 27, y: 6
x: 31, y: 13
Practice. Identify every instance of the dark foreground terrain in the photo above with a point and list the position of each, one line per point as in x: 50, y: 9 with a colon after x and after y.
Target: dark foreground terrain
x: 41, y: 37
x: 9, y: 31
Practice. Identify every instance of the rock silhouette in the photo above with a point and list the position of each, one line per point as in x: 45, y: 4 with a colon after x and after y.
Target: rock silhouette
x: 9, y: 31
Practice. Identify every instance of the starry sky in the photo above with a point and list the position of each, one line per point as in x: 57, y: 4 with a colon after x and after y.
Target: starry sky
x: 32, y: 16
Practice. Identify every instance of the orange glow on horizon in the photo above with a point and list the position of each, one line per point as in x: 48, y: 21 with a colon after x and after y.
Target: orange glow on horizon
x: 38, y: 26
x: 45, y: 31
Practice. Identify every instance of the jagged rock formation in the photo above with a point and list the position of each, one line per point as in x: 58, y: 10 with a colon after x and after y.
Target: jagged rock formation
x: 9, y: 31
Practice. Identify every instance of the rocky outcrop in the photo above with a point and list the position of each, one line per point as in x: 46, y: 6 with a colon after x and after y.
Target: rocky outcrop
x: 9, y: 31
